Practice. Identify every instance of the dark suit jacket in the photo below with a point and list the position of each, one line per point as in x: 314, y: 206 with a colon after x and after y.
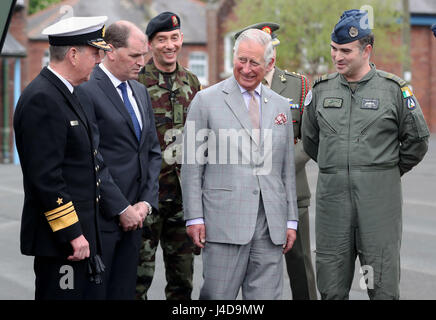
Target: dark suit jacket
x: 134, y: 166
x: 60, y: 167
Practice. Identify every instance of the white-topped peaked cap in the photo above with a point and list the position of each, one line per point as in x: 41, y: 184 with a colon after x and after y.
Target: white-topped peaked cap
x: 78, y: 31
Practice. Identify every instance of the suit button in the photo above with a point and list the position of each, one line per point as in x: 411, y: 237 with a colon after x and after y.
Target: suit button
x: 98, y: 184
x: 97, y: 199
x: 95, y: 152
x: 256, y: 192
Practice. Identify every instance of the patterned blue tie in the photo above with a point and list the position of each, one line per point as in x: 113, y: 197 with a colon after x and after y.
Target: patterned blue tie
x: 129, y: 108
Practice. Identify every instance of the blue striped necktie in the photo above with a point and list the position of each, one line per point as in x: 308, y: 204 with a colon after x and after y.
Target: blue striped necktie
x: 129, y: 108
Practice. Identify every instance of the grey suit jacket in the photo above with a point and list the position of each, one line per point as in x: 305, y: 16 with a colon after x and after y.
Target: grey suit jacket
x: 224, y: 188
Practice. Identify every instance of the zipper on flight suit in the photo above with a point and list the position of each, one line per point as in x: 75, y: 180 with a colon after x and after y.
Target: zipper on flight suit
x: 327, y: 123
x: 353, y: 211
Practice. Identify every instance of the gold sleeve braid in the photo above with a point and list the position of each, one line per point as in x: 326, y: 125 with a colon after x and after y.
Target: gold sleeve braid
x: 62, y: 217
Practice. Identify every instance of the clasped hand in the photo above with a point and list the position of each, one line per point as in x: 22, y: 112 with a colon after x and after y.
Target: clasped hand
x: 134, y: 216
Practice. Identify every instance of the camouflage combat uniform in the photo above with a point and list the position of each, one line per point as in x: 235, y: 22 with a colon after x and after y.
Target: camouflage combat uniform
x: 170, y: 95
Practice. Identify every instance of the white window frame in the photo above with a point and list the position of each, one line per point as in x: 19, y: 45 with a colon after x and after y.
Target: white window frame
x: 204, y: 79
x: 229, y: 43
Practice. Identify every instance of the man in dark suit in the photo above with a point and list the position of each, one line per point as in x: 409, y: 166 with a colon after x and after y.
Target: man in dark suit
x: 131, y: 150
x: 61, y: 164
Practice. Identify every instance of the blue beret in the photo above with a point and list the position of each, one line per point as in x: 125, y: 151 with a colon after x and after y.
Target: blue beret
x: 165, y: 21
x: 353, y: 25
x: 433, y: 27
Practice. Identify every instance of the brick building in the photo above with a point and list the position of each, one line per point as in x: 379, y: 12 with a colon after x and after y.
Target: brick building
x: 207, y: 47
x: 12, y: 71
x: 191, y: 12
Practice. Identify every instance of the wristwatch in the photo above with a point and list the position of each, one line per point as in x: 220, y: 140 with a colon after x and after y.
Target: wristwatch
x: 150, y: 208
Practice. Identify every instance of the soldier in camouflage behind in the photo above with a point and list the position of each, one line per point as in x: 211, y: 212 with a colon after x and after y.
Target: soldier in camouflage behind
x: 171, y: 88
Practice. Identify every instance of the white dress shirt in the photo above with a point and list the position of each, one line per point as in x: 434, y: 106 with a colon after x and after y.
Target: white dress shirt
x: 116, y: 82
x: 64, y: 81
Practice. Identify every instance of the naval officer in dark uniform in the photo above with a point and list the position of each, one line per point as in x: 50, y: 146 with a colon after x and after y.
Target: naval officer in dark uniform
x: 62, y: 169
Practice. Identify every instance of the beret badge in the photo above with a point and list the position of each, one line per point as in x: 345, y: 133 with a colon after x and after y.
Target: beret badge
x: 175, y: 22
x: 267, y: 30
x: 353, y: 32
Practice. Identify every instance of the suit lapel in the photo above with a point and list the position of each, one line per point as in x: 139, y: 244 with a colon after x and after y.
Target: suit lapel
x: 141, y: 108
x: 111, y: 92
x: 73, y: 101
x: 236, y: 103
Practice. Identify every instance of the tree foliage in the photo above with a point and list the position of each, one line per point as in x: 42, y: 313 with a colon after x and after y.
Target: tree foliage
x: 38, y: 5
x: 306, y: 26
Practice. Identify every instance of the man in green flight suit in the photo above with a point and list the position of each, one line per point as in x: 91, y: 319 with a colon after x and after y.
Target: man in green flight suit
x: 365, y: 129
x: 171, y: 88
x: 294, y: 87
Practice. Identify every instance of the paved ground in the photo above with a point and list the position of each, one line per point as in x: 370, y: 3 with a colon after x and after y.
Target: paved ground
x: 418, y: 254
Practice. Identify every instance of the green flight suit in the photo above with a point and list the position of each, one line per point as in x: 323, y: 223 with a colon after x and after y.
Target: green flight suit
x: 363, y: 141
x: 170, y: 96
x: 298, y: 260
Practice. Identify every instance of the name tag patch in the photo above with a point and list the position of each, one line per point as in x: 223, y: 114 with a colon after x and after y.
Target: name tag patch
x: 371, y: 104
x: 332, y: 103
x: 74, y: 123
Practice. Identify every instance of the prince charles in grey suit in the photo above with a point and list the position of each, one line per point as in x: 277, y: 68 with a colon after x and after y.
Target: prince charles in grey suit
x: 238, y: 178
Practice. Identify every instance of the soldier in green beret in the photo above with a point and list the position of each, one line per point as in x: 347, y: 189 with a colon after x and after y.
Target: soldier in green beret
x: 365, y: 129
x: 294, y: 87
x: 171, y: 88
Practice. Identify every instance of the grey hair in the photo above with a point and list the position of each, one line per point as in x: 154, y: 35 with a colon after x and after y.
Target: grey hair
x: 259, y: 36
x: 58, y: 53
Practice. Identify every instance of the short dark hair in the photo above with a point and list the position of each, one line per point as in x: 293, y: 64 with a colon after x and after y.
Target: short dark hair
x: 117, y: 35
x: 58, y: 53
x: 363, y: 42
